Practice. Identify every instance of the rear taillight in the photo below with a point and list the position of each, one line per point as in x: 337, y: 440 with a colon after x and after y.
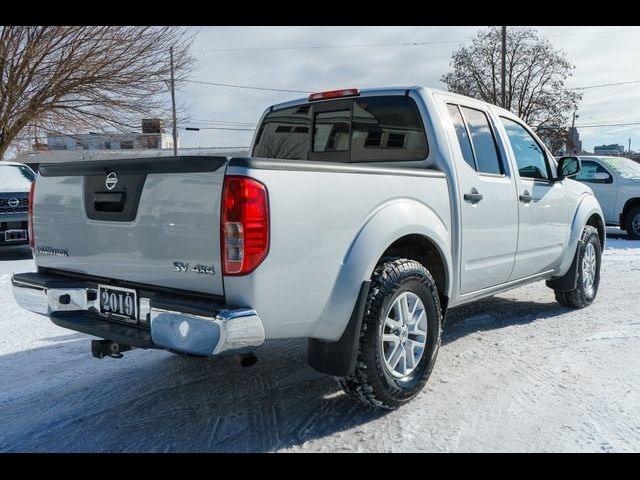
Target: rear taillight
x: 244, y: 225
x: 32, y: 235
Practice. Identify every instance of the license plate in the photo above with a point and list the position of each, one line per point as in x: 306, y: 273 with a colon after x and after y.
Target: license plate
x: 118, y: 302
x: 15, y: 235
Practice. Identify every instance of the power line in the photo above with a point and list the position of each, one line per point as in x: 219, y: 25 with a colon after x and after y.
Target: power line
x: 604, y: 85
x: 249, y: 87
x: 590, y: 33
x: 317, y: 47
x: 231, y: 85
x: 609, y: 125
x: 398, y: 44
x: 595, y: 125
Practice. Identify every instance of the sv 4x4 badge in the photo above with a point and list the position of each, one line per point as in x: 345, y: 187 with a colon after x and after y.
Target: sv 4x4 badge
x: 197, y: 268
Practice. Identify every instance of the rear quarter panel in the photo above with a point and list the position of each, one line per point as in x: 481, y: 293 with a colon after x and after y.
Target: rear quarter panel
x: 328, y: 230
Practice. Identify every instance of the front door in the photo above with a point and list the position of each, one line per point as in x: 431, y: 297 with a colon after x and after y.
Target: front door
x: 604, y: 186
x: 489, y: 210
x: 543, y: 211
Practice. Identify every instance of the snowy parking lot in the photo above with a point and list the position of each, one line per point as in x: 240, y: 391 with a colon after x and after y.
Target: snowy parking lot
x: 516, y: 372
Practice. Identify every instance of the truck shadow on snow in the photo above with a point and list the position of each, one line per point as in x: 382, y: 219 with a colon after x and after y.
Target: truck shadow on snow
x: 494, y: 313
x: 58, y: 398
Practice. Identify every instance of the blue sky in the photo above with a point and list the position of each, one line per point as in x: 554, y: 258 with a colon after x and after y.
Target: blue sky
x: 600, y: 54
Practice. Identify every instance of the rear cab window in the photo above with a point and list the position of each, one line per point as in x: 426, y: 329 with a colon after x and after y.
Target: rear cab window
x: 359, y: 129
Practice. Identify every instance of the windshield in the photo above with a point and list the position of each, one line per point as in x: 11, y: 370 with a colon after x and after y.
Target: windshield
x: 16, y: 177
x: 624, y: 166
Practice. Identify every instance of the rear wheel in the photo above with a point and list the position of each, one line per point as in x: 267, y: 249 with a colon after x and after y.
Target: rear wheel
x: 400, y: 336
x: 632, y: 223
x: 589, y: 259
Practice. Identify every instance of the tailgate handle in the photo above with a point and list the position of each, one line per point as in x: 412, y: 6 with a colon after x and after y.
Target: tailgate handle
x: 109, y: 202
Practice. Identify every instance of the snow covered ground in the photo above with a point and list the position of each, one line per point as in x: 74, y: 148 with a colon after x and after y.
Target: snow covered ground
x: 515, y: 373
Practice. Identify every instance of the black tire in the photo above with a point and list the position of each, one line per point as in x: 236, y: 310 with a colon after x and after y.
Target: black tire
x: 579, y: 297
x: 371, y: 383
x: 628, y: 223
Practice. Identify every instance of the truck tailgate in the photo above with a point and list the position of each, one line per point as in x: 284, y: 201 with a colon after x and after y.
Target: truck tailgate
x: 153, y: 221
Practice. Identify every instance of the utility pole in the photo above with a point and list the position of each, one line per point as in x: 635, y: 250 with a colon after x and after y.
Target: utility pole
x: 629, y: 151
x: 504, y: 67
x: 573, y: 126
x: 173, y: 107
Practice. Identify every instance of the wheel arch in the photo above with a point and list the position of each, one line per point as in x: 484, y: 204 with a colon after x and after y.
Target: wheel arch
x: 588, y: 212
x: 426, y: 252
x: 629, y: 205
x: 392, y: 225
x: 400, y: 228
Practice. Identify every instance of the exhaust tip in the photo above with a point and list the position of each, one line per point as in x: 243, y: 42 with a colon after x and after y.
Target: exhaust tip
x: 247, y: 359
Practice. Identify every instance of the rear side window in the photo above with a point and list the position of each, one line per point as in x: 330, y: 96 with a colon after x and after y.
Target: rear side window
x: 368, y: 129
x: 483, y: 141
x: 476, y: 139
x: 462, y: 134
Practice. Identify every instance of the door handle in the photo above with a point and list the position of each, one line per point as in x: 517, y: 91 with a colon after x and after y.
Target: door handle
x: 526, y: 197
x: 473, y: 196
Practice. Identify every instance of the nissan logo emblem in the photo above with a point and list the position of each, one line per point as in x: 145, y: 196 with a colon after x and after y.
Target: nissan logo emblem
x: 111, y: 181
x: 13, y: 202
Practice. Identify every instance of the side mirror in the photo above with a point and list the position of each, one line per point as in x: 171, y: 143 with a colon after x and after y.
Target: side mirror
x: 568, y: 167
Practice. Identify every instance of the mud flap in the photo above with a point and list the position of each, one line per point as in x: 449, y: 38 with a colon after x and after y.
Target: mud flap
x: 570, y: 279
x: 339, y: 358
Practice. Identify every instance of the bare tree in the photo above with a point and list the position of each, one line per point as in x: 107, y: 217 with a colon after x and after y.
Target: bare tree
x: 82, y: 77
x: 535, y: 76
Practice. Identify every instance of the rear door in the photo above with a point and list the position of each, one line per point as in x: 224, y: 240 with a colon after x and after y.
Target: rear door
x: 487, y: 197
x: 153, y: 221
x: 543, y: 211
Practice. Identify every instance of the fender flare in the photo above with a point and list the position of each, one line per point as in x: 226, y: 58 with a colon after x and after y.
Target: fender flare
x: 567, y: 276
x: 333, y: 344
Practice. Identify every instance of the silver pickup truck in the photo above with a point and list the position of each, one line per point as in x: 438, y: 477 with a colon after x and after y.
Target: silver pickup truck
x: 358, y: 221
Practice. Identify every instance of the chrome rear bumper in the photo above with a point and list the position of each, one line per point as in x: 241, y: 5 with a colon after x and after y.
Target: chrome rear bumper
x: 222, y: 331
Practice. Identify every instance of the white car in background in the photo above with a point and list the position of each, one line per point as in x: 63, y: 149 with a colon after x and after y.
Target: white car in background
x: 15, y: 183
x: 615, y: 181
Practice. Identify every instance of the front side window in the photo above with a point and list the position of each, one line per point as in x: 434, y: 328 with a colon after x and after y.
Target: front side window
x: 530, y: 158
x: 589, y: 172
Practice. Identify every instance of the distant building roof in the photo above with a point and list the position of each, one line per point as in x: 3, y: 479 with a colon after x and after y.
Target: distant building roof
x: 60, y: 156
